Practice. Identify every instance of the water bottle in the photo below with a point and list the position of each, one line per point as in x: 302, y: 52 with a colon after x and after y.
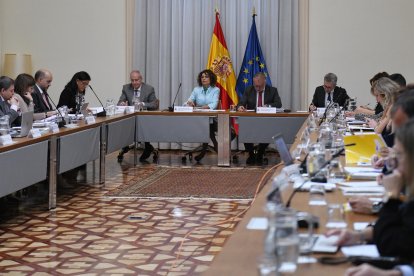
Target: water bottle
x: 110, y: 107
x: 137, y: 103
x: 4, y: 125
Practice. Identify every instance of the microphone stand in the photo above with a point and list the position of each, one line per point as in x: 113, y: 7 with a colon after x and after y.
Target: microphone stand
x: 337, y: 154
x: 171, y: 108
x: 326, y: 111
x: 102, y: 113
x: 339, y: 112
x: 62, y: 122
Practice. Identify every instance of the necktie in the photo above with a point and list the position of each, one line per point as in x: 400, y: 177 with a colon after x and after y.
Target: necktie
x: 329, y: 97
x: 260, y: 100
x: 136, y: 93
x: 45, y: 100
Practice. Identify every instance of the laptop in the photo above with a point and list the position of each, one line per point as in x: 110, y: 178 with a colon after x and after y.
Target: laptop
x: 26, y: 125
x: 283, y: 149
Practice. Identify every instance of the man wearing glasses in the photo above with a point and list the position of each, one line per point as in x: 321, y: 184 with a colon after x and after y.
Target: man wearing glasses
x: 328, y: 93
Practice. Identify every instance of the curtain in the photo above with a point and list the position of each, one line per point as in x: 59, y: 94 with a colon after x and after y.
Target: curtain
x: 171, y: 42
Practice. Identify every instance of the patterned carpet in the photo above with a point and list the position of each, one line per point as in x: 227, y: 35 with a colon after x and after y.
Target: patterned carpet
x: 91, y: 234
x: 167, y: 182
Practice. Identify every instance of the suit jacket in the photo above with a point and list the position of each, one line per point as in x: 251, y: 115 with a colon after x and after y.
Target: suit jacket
x: 39, y: 104
x: 339, y: 96
x: 271, y: 96
x: 6, y: 110
x: 147, y: 95
x: 68, y: 98
x: 393, y: 229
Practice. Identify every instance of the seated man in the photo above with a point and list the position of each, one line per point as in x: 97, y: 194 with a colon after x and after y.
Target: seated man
x: 258, y: 95
x: 146, y: 95
x: 328, y: 92
x: 8, y: 103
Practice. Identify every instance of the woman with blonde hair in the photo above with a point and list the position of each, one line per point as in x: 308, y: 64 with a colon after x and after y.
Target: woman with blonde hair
x: 386, y: 91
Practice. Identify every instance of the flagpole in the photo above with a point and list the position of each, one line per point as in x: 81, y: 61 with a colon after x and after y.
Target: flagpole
x: 254, y: 11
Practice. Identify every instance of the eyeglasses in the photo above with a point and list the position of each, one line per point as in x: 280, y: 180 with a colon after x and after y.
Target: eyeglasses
x: 84, y: 83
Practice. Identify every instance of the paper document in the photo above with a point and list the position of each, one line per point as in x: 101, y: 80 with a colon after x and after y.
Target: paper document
x: 257, y: 223
x: 359, y: 184
x: 96, y: 109
x: 363, y: 173
x: 360, y: 225
x: 368, y: 250
x: 356, y: 190
x: 366, y: 145
x: 305, y: 187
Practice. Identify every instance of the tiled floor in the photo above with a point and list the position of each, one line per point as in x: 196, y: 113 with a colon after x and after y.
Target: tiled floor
x: 90, y: 234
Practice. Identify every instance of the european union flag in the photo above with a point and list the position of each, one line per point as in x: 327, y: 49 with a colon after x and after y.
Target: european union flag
x: 253, y: 62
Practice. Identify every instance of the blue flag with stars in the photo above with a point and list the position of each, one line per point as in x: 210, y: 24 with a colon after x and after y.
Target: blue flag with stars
x: 253, y: 62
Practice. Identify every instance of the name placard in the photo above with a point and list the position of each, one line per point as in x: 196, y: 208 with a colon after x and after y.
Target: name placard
x: 34, y: 133
x: 5, y: 140
x: 89, y: 120
x: 183, y: 109
x: 54, y: 128
x: 267, y: 110
x: 320, y: 111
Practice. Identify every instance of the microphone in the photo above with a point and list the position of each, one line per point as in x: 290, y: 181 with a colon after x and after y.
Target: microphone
x: 62, y: 122
x: 336, y: 155
x: 302, y: 166
x: 171, y: 108
x: 326, y: 111
x: 340, y: 110
x: 102, y: 113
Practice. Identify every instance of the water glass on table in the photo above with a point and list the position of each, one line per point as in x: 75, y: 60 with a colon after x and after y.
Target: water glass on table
x: 317, y: 194
x: 336, y: 216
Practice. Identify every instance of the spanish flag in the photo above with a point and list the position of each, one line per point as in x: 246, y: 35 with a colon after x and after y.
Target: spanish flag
x: 219, y: 62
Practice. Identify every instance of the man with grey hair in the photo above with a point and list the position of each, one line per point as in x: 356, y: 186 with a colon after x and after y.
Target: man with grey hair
x: 137, y: 89
x: 328, y: 92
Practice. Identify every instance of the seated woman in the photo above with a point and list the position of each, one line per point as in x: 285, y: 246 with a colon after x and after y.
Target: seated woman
x: 362, y: 112
x: 23, y: 89
x: 206, y: 96
x: 73, y: 95
x: 392, y: 232
x: 386, y: 92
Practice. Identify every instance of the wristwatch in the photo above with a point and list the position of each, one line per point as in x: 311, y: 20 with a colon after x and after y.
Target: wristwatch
x: 376, y: 207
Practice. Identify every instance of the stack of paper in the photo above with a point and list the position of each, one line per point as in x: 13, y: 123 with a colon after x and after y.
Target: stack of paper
x: 363, y: 173
x: 368, y: 188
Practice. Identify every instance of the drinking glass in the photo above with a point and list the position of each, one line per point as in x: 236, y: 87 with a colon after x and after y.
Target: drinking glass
x: 286, y: 239
x: 267, y: 265
x: 4, y: 125
x: 336, y: 172
x: 110, y: 107
x: 317, y: 194
x: 336, y: 216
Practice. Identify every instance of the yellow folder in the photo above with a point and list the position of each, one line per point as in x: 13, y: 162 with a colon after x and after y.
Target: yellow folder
x: 366, y: 145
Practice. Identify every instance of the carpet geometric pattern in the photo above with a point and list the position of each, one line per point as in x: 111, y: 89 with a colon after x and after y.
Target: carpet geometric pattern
x: 239, y: 183
x: 91, y: 234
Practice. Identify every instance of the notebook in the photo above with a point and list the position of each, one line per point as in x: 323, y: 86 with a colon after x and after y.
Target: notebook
x: 26, y: 125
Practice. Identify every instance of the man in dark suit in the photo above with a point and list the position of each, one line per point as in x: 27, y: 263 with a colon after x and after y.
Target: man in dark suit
x: 328, y: 92
x: 41, y: 101
x: 255, y: 96
x: 145, y: 94
x: 8, y: 104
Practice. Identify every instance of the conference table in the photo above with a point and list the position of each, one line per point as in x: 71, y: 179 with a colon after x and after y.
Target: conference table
x: 239, y: 254
x: 51, y: 154
x: 158, y: 126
